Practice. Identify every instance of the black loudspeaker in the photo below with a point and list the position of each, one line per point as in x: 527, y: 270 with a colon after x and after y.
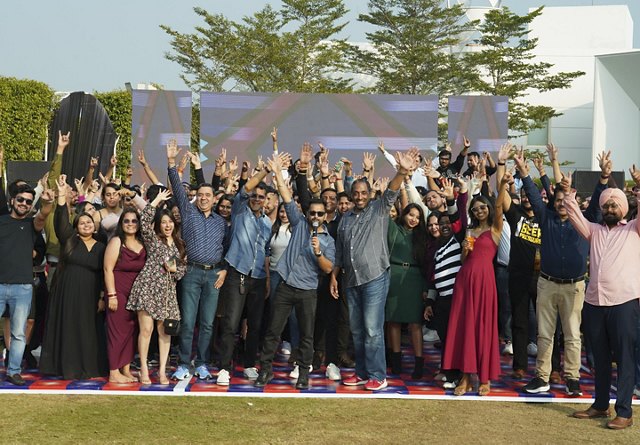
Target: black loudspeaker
x: 585, y: 181
x: 29, y: 171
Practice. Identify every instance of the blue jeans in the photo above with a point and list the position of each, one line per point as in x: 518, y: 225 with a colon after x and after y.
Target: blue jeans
x: 197, y: 290
x: 366, y: 317
x: 18, y: 298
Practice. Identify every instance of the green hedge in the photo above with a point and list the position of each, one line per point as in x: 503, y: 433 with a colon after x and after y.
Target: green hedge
x: 26, y: 109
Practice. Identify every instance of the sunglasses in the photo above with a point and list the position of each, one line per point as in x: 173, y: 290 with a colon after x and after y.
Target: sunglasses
x: 130, y: 221
x: 257, y: 197
x: 28, y: 201
x: 314, y: 213
x: 480, y: 207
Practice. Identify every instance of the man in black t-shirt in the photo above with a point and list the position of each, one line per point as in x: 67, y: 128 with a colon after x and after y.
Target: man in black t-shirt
x: 18, y: 233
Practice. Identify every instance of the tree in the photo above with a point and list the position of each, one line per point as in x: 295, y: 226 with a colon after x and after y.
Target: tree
x: 257, y: 55
x: 506, y: 68
x: 414, y: 47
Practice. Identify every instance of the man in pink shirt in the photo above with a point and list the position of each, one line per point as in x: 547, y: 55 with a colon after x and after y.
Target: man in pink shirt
x: 611, y: 304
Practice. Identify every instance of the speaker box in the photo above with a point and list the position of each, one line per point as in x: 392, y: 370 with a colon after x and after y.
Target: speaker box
x: 29, y: 171
x: 585, y: 181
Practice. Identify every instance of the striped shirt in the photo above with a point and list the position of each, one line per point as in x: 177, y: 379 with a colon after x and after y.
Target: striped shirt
x: 447, y: 264
x: 203, y: 235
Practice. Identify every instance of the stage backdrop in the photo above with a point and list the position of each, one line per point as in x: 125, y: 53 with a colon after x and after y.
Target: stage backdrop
x: 482, y: 119
x: 347, y: 124
x: 158, y: 116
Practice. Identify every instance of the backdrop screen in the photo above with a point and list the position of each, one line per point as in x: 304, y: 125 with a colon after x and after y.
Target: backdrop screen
x: 482, y: 119
x: 158, y: 116
x: 347, y: 124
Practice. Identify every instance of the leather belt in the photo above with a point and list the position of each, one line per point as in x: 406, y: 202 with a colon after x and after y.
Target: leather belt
x: 405, y: 265
x: 562, y: 280
x: 203, y: 266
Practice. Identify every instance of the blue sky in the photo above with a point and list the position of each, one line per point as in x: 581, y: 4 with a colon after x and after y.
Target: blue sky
x: 99, y: 45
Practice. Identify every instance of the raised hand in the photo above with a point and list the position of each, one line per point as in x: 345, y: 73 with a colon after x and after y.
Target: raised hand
x: 407, y: 159
x: 285, y: 160
x: 504, y: 152
x: 368, y: 160
x: 113, y: 161
x: 447, y: 189
x: 538, y: 162
x: 61, y: 184
x: 565, y: 183
x: 260, y: 164
x: 163, y: 195
x: 306, y: 154
x: 233, y: 164
x: 521, y: 163
x: 63, y: 140
x: 42, y: 181
x: 246, y: 166
x: 79, y: 186
x: 605, y: 163
x: 507, y: 178
x: 324, y: 167
x: 172, y: 149
x: 381, y: 146
x: 141, y: 158
x: 48, y: 195
x: 93, y: 163
x: 552, y: 151
x: 129, y: 172
x: 195, y: 160
x: 635, y: 174
x: 466, y: 142
x: 274, y: 135
x: 183, y: 162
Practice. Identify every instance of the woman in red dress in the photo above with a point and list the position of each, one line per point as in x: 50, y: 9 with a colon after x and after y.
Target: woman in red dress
x: 472, y: 336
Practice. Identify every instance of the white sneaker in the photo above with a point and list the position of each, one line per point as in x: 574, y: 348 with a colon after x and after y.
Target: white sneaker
x: 251, y: 373
x: 333, y: 372
x: 286, y: 348
x: 636, y: 391
x: 532, y: 350
x: 295, y: 373
x: 508, y: 349
x: 430, y: 336
x: 223, y: 377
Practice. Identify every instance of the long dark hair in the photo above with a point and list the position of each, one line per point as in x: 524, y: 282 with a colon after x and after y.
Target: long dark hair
x: 120, y: 231
x: 72, y: 242
x: 419, y: 233
x: 275, y: 228
x: 224, y: 197
x: 177, y: 239
x: 472, y: 216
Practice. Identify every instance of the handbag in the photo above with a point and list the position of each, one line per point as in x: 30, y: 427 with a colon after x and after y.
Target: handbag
x: 171, y: 325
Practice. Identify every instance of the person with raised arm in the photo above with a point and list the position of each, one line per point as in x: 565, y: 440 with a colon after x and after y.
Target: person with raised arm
x: 362, y: 253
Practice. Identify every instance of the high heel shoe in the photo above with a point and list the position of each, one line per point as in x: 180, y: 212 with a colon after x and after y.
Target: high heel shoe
x: 484, y: 389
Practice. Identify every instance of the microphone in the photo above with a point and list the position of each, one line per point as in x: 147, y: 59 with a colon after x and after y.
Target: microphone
x: 315, y: 226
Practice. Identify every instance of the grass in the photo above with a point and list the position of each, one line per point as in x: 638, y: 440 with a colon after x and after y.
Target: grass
x: 173, y: 420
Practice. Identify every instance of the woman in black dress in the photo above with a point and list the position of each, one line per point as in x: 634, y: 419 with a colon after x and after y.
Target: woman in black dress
x: 74, y: 340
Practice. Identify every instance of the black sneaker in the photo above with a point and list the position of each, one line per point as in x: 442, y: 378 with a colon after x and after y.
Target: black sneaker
x: 573, y: 388
x: 536, y: 385
x: 263, y: 379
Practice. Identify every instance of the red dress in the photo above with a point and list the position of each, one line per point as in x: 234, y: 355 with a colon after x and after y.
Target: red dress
x: 122, y: 324
x: 472, y: 336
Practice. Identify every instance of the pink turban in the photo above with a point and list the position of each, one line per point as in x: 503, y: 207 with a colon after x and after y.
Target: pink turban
x: 618, y: 197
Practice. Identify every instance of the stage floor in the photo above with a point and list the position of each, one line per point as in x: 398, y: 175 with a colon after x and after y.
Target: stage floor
x: 400, y: 386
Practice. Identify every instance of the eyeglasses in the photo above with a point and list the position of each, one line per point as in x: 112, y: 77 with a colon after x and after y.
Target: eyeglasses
x: 314, y: 213
x: 130, y: 221
x: 480, y: 207
x: 28, y: 201
x: 257, y: 197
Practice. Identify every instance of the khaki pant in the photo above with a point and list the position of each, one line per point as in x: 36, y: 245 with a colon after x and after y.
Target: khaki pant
x: 565, y: 300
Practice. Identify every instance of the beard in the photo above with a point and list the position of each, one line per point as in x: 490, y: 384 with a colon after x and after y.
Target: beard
x: 611, y: 219
x: 20, y: 212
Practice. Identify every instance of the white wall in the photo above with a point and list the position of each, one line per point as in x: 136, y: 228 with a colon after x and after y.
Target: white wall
x: 570, y: 38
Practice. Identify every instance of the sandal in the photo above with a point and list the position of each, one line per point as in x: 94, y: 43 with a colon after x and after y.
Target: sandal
x: 463, y: 387
x: 484, y: 389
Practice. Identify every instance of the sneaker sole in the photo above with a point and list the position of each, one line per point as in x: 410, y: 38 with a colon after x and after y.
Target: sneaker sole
x: 360, y: 383
x: 334, y: 378
x: 537, y: 390
x: 378, y: 388
x: 188, y: 376
x: 222, y: 383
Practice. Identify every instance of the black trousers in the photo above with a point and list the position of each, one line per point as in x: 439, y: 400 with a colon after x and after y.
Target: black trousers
x: 233, y: 304
x: 612, y: 332
x: 286, y: 299
x: 332, y: 331
x: 522, y: 290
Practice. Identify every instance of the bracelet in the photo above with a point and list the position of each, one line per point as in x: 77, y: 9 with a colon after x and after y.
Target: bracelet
x: 367, y: 170
x: 501, y: 163
x: 325, y: 177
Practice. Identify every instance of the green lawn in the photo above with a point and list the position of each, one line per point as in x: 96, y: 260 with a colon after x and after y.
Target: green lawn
x: 38, y: 419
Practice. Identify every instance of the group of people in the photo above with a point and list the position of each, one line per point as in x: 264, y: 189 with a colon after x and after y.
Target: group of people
x: 333, y: 262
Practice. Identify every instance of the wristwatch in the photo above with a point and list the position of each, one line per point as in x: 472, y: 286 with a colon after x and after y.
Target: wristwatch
x: 319, y: 254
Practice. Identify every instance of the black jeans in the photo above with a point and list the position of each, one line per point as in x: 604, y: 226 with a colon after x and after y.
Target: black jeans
x: 233, y: 304
x: 522, y: 290
x: 283, y: 302
x: 612, y: 332
x: 332, y: 331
